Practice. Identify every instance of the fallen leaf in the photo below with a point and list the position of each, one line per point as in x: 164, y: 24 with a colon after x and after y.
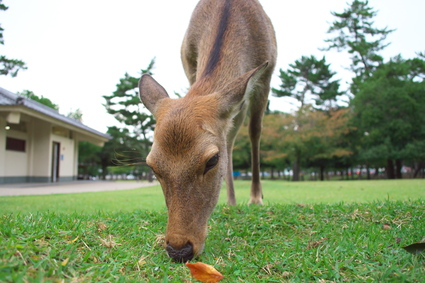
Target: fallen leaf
x: 415, y: 248
x: 204, y: 272
x: 65, y: 262
x: 286, y: 274
x: 101, y: 227
x: 142, y: 260
x: 386, y: 226
x: 73, y: 241
x: 109, y: 242
x: 315, y: 244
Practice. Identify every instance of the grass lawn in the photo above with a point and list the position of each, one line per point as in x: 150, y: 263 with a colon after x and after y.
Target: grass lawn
x: 304, y: 233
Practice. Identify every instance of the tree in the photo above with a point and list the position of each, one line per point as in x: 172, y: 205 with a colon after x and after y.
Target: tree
x: 355, y: 33
x: 242, y: 149
x: 9, y: 66
x: 309, y: 80
x: 41, y: 99
x: 117, y: 151
x: 134, y: 137
x: 312, y: 137
x: 88, y: 160
x: 389, y: 111
x: 124, y: 104
x: 328, y: 147
x: 77, y: 115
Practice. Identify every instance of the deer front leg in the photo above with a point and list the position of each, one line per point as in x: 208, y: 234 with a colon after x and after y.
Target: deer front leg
x: 231, y: 136
x: 257, y: 107
x: 231, y: 198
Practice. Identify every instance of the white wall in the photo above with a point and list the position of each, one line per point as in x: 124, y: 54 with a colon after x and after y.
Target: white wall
x: 16, y: 162
x: 41, y: 149
x: 66, y: 163
x: 2, y: 146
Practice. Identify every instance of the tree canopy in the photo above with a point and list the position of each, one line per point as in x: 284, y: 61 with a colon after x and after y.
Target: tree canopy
x: 41, y: 99
x: 389, y: 110
x: 9, y: 66
x: 131, y: 142
x: 309, y: 81
x: 355, y: 32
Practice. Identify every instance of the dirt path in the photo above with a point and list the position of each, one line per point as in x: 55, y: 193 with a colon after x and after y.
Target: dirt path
x: 68, y: 187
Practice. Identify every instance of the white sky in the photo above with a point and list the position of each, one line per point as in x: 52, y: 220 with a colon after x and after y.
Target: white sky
x: 76, y: 51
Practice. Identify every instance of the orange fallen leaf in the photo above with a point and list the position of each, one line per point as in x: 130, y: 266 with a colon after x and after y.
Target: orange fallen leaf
x: 204, y: 272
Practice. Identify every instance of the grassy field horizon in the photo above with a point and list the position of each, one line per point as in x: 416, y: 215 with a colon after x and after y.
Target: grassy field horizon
x: 275, y: 192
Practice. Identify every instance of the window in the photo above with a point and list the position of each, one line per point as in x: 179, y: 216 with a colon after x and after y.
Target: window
x: 15, y: 144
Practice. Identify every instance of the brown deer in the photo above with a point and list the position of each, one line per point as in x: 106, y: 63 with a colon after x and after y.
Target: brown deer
x: 228, y: 54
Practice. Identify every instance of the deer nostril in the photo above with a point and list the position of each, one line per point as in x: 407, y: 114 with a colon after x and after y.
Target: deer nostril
x: 180, y: 255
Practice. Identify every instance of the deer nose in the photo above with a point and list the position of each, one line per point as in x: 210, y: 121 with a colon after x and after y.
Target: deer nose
x: 183, y: 254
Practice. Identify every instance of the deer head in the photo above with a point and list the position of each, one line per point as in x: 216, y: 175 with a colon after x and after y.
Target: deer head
x: 189, y: 156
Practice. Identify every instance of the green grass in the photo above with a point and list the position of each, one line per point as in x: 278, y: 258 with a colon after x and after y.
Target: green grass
x: 275, y: 192
x: 279, y: 243
x: 306, y: 232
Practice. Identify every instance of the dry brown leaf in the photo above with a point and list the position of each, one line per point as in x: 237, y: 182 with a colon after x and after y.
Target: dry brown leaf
x: 109, y: 242
x: 204, y: 272
x: 415, y: 248
x: 315, y: 244
x: 386, y: 226
x: 101, y: 227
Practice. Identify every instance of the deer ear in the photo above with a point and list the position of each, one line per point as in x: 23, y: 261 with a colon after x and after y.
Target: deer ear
x: 235, y: 93
x: 151, y: 92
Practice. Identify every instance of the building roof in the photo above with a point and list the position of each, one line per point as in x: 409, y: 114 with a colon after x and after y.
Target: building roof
x: 8, y: 98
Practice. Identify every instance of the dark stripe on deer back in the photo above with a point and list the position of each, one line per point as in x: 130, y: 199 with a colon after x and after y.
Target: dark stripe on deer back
x: 214, y: 57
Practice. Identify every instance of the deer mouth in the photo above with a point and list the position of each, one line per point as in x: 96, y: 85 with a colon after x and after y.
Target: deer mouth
x: 182, y: 254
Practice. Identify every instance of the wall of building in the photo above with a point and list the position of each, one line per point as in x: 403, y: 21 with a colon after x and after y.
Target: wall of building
x: 2, y: 147
x: 66, y: 163
x: 17, y: 162
x: 40, y: 154
x: 28, y: 158
x: 14, y: 164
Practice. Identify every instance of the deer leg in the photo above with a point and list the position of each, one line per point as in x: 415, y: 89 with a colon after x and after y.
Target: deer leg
x: 257, y: 107
x: 237, y: 122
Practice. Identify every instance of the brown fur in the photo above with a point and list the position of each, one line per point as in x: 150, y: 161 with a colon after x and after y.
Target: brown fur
x: 224, y: 53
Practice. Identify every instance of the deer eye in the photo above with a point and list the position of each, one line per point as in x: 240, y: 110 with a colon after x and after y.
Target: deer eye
x: 211, y: 163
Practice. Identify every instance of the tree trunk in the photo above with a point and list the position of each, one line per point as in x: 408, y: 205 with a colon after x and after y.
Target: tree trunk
x: 150, y: 176
x: 104, y: 170
x: 296, y: 169
x: 322, y: 175
x: 376, y: 175
x: 368, y: 171
x: 390, y: 169
x: 418, y: 168
x: 398, y: 166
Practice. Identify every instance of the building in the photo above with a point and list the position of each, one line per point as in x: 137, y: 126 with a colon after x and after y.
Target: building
x: 37, y: 144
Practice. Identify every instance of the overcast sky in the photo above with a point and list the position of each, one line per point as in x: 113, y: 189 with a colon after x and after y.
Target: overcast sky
x: 76, y: 51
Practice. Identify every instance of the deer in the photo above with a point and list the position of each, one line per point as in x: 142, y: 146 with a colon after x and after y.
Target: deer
x: 228, y: 54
